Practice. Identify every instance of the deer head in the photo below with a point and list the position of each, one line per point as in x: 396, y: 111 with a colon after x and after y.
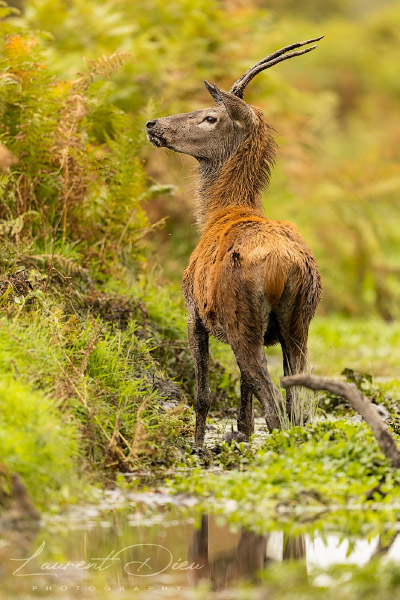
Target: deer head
x: 213, y: 134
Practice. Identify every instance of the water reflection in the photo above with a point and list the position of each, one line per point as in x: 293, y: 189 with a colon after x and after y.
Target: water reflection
x: 131, y: 549
x: 243, y: 557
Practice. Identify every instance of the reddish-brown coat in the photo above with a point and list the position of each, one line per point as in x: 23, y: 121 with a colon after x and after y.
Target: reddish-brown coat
x: 250, y: 281
x: 242, y: 254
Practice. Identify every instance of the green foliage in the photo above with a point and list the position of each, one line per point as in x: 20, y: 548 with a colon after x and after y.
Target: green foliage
x: 233, y: 455
x: 335, y: 111
x: 172, y: 45
x: 326, y: 469
x: 384, y: 395
x: 78, y: 178
x: 370, y: 345
x: 296, y: 581
x: 35, y: 441
x: 338, y: 175
x: 71, y: 204
x: 5, y: 488
x: 103, y: 378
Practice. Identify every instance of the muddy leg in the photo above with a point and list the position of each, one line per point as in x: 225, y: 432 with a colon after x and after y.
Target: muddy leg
x: 253, y: 368
x: 198, y: 341
x: 294, y: 361
x: 198, y: 552
x: 288, y: 371
x: 294, y: 547
x: 245, y: 422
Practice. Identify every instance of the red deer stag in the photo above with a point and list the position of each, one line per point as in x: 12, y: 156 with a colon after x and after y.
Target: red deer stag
x: 251, y: 282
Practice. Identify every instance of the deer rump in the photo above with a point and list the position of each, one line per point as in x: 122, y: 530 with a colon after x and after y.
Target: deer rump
x: 251, y: 278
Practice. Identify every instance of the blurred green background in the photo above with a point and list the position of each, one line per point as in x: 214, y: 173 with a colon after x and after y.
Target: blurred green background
x: 336, y: 112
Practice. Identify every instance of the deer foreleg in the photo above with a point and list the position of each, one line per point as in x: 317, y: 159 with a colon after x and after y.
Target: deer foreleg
x: 198, y: 341
x: 245, y: 422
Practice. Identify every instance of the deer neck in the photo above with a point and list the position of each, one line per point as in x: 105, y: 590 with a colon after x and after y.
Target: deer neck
x: 239, y: 180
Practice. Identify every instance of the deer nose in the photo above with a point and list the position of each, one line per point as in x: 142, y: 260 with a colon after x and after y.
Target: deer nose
x: 151, y: 124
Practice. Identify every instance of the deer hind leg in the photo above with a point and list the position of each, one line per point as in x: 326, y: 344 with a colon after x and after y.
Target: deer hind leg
x: 245, y: 422
x: 198, y: 341
x: 295, y: 358
x: 253, y: 368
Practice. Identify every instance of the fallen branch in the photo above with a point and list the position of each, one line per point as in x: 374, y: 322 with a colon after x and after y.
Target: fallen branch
x: 359, y: 402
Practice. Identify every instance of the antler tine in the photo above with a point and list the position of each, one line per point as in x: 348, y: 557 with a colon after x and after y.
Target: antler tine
x: 262, y: 66
x: 278, y: 56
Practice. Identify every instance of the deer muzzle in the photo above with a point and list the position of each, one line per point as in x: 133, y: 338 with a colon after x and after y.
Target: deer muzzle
x: 155, y: 134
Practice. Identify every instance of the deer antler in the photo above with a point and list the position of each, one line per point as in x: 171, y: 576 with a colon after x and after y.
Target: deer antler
x: 239, y: 86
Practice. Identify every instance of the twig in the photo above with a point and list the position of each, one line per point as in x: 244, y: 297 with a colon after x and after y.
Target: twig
x: 359, y: 402
x: 114, y: 448
x: 91, y: 344
x: 140, y: 432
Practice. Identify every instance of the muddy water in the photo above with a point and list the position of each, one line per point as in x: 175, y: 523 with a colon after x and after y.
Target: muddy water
x: 140, y: 546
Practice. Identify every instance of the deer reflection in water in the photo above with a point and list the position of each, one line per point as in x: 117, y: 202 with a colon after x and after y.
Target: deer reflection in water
x: 244, y: 559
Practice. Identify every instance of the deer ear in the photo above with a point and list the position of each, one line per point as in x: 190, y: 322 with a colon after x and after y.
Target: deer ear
x: 237, y: 108
x: 213, y: 91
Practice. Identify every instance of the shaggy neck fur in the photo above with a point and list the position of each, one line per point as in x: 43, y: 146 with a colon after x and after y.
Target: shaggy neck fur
x: 238, y: 182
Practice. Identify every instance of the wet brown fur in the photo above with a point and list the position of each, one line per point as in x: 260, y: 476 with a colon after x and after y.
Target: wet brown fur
x: 250, y: 281
x: 242, y: 177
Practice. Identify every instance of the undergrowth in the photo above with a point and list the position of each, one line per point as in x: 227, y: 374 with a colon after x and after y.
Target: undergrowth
x: 36, y: 441
x: 303, y: 477
x: 71, y: 218
x: 76, y: 187
x: 102, y: 378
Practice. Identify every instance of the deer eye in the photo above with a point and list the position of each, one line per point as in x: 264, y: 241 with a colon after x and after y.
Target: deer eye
x: 209, y: 119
